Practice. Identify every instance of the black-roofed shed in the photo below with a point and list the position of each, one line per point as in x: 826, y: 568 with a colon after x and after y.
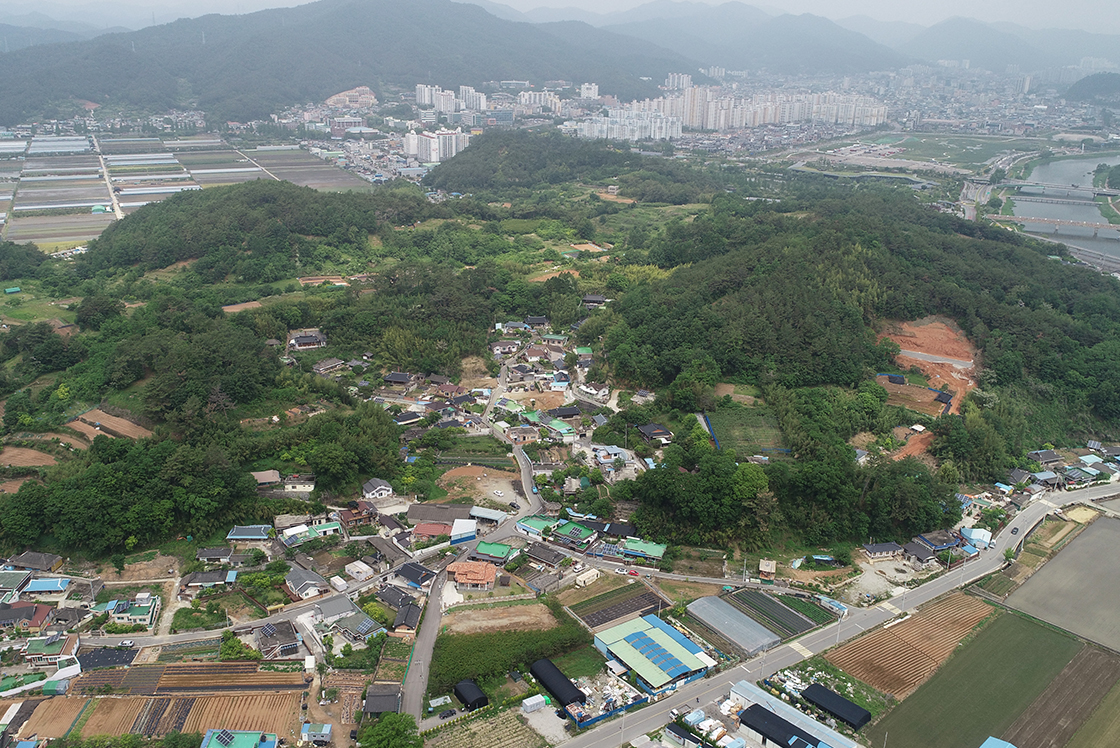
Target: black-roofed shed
x: 944, y: 397
x: 842, y: 709
x: 556, y: 683
x: 470, y: 695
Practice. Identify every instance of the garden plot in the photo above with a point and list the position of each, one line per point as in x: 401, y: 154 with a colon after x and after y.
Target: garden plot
x: 748, y: 430
x: 504, y: 730
x: 113, y: 716
x: 276, y: 713
x: 300, y: 167
x: 618, y: 605
x: 767, y: 610
x: 53, y: 717
x: 20, y: 457
x: 1075, y: 590
x: 58, y: 229
x: 898, y: 659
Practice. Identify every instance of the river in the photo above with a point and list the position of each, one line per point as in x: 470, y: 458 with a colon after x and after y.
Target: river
x: 1070, y: 171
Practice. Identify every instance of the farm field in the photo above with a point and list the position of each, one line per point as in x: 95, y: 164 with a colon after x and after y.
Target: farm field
x: 617, y: 605
x: 899, y: 659
x: 572, y: 595
x: 278, y: 713
x: 1066, y: 591
x: 73, y: 228
x: 1064, y: 706
x: 1103, y: 727
x: 912, y: 397
x: 982, y: 690
x: 117, y: 426
x: 771, y: 613
x: 21, y: 457
x: 306, y: 170
x: 504, y: 730
x: 479, y: 620
x: 53, y: 717
x: 113, y: 716
x: 747, y: 430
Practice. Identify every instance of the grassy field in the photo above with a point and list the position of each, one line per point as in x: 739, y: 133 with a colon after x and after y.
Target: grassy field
x: 584, y: 662
x: 982, y: 689
x: 1103, y: 728
x: 961, y: 150
x: 746, y: 430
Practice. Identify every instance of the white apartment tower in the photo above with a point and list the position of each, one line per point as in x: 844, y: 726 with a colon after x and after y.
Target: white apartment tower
x: 589, y: 91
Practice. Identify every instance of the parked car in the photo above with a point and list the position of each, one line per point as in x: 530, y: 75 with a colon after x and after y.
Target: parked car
x: 353, y: 734
x: 514, y: 505
x: 499, y: 494
x: 674, y: 713
x: 620, y: 570
x: 633, y: 573
x: 447, y: 713
x: 127, y: 643
x: 1014, y: 530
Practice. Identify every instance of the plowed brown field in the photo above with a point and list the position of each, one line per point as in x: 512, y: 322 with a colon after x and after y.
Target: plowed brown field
x: 117, y: 426
x: 53, y: 717
x: 276, y: 713
x: 898, y: 659
x: 20, y: 457
x: 113, y: 716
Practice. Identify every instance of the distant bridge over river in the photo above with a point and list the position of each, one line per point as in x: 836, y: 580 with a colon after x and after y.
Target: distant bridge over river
x: 1067, y: 187
x: 1055, y: 222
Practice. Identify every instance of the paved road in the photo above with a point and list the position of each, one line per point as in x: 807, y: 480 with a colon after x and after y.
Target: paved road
x: 416, y: 683
x: 616, y: 732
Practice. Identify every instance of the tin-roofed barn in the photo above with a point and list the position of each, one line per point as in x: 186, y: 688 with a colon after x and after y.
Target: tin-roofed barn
x: 854, y: 715
x: 556, y: 683
x: 733, y: 625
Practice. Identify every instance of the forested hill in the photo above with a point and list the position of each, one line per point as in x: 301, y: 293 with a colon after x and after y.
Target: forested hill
x: 247, y: 67
x: 258, y: 231
x: 516, y: 163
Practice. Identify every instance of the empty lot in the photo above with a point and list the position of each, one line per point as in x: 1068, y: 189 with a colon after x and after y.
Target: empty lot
x: 1076, y: 590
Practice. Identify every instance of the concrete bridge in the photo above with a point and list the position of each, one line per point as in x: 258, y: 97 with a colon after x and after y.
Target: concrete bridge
x: 1055, y: 200
x: 1055, y: 222
x: 1067, y: 187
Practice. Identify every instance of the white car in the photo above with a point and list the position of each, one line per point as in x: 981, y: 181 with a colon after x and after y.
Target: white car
x: 620, y: 570
x: 499, y: 494
x: 127, y: 643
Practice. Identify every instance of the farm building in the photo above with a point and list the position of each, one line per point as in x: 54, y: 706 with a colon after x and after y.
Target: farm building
x: 882, y: 550
x: 470, y: 695
x: 495, y: 553
x: 238, y: 739
x: 807, y: 728
x: 854, y: 715
x: 918, y: 553
x: 415, y: 575
x: 643, y: 549
x: 732, y: 624
x: 944, y: 398
x: 445, y: 514
x: 463, y: 531
x: 896, y: 379
x: 266, y: 477
x: 315, y: 733
x: 656, y: 653
x: 487, y: 515
x: 977, y: 536
x: 556, y: 683
x: 382, y: 698
x: 278, y: 640
x: 473, y: 575
x: 34, y: 561
x: 249, y: 532
x: 939, y: 540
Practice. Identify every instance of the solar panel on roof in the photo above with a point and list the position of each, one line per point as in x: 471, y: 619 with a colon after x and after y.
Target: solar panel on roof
x: 225, y: 737
x: 366, y: 626
x: 53, y: 638
x: 268, y: 630
x: 121, y: 607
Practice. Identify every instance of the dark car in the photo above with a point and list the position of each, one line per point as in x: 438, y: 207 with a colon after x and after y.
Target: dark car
x: 447, y: 713
x: 353, y: 734
x: 1014, y: 530
x: 514, y: 505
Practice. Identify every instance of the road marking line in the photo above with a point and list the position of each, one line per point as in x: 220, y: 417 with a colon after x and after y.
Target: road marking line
x: 801, y: 649
x: 889, y: 608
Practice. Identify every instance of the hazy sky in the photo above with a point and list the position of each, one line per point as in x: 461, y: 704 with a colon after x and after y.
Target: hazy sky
x: 1093, y: 15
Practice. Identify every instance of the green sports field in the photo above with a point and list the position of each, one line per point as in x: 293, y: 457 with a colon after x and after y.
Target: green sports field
x: 980, y: 691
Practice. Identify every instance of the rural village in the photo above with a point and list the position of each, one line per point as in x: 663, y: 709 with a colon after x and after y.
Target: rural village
x: 298, y: 631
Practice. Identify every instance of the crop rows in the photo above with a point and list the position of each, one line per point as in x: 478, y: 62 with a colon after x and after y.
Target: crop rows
x: 808, y: 608
x: 607, y: 599
x: 897, y: 660
x: 147, y: 721
x: 770, y: 613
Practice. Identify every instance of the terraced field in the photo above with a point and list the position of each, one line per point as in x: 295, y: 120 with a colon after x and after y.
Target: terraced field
x: 770, y: 613
x: 898, y: 659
